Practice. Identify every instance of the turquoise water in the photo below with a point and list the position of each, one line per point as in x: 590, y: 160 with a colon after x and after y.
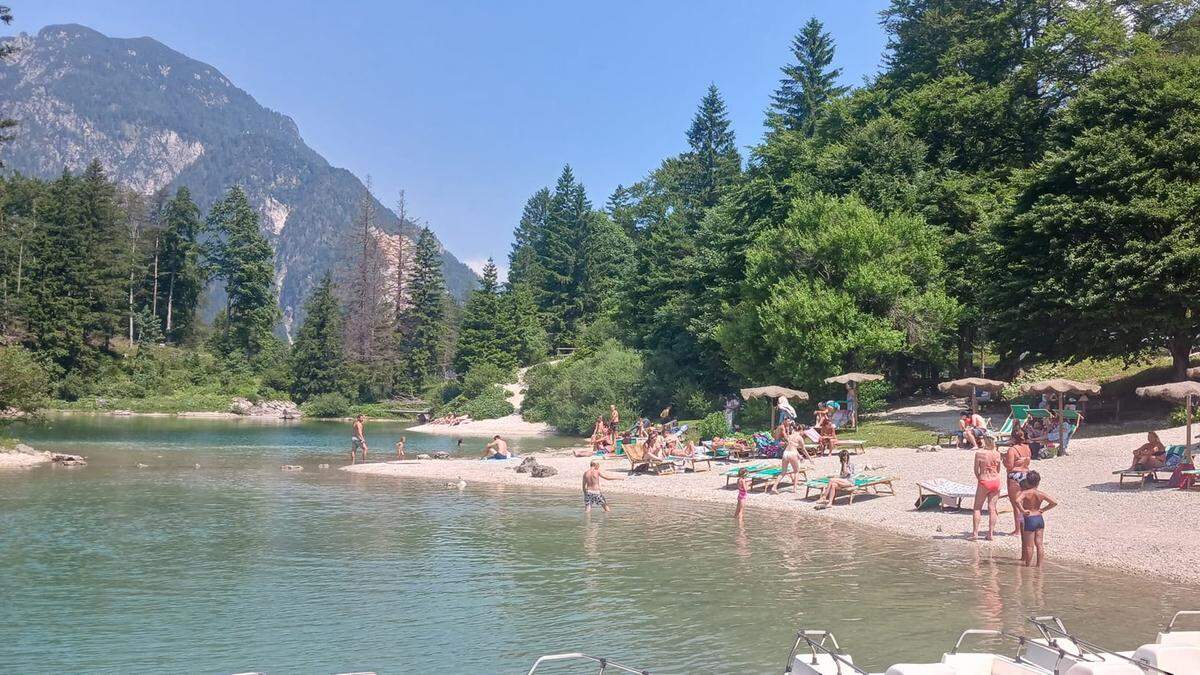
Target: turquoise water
x: 239, y: 566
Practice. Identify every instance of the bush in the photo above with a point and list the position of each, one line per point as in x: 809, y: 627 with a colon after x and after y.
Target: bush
x: 23, y: 382
x: 489, y: 404
x: 571, y: 394
x: 873, y: 396
x: 1178, y: 415
x: 483, y: 376
x: 327, y: 405
x: 712, y: 425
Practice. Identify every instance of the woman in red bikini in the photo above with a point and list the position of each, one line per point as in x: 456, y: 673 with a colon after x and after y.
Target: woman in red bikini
x: 987, y: 472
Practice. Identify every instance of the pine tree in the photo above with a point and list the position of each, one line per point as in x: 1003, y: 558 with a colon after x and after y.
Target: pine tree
x: 522, y: 261
x: 558, y: 253
x: 482, y: 335
x: 182, y: 273
x: 525, y: 332
x: 318, y: 364
x: 56, y: 271
x: 244, y: 262
x: 809, y: 83
x: 102, y: 221
x: 607, y: 261
x: 714, y: 161
x: 424, y: 326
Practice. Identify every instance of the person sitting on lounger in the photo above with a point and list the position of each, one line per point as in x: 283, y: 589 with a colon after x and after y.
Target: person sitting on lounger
x: 828, y: 442
x: 1151, y: 455
x: 655, y: 450
x: 844, y: 479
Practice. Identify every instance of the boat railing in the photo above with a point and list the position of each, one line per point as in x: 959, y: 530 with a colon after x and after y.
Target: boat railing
x: 603, y: 663
x: 818, y: 646
x: 1019, y: 639
x: 1053, y: 629
x: 1186, y: 612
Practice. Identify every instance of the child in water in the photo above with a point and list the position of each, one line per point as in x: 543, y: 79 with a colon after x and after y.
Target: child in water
x: 1033, y: 504
x: 743, y: 488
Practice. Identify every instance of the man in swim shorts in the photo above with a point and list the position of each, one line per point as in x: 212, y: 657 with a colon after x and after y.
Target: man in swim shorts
x: 591, y: 487
x: 357, y: 440
x: 497, y: 449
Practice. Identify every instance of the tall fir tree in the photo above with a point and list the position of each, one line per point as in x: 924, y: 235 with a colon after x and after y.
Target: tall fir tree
x: 809, y: 83
x: 103, y: 223
x: 522, y: 261
x: 525, y: 332
x: 713, y: 162
x: 482, y: 335
x: 607, y: 259
x: 317, y: 361
x: 244, y: 260
x: 424, y: 325
x: 180, y: 270
x: 558, y: 253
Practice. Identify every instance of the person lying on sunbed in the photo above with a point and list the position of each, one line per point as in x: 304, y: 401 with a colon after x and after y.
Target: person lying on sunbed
x: 844, y: 479
x: 1151, y: 455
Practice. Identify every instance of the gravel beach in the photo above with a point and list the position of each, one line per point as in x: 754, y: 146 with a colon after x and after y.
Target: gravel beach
x: 1137, y: 530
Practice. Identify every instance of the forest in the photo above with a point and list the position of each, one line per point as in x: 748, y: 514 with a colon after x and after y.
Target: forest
x: 1017, y: 184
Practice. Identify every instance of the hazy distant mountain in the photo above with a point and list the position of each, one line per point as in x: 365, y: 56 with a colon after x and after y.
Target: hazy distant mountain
x: 156, y: 118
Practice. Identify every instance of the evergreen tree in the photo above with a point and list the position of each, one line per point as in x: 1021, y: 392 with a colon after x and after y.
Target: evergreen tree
x: 607, y: 260
x: 180, y: 268
x: 714, y: 161
x: 318, y: 364
x: 621, y: 208
x: 55, y: 304
x: 482, y: 335
x: 809, y: 83
x: 522, y: 261
x: 244, y: 260
x: 102, y: 221
x: 525, y: 332
x: 424, y: 325
x: 558, y: 253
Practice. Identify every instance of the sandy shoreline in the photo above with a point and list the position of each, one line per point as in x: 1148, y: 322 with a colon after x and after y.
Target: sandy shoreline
x: 510, y: 425
x: 22, y: 457
x: 1136, y: 530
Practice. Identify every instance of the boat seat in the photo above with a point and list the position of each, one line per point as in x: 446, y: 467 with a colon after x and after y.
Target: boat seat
x: 921, y: 669
x: 1180, y: 637
x: 1105, y: 668
x: 1171, y: 658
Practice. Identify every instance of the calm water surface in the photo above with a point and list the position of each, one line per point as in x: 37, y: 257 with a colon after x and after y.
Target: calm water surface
x: 239, y: 566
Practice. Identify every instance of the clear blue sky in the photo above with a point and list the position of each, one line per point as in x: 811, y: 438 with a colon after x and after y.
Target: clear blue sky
x: 472, y: 106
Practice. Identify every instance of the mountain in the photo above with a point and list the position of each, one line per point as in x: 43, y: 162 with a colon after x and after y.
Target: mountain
x: 158, y: 119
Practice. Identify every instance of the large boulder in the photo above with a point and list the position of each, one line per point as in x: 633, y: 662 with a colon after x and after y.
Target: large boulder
x: 543, y: 471
x: 281, y: 409
x: 527, y: 465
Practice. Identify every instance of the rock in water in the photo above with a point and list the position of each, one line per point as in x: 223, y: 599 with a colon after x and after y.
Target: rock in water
x: 67, y: 460
x: 423, y: 456
x: 291, y: 467
x: 543, y: 471
x: 527, y: 465
x: 441, y: 455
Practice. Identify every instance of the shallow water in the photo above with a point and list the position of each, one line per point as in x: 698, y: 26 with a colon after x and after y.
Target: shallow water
x: 239, y: 566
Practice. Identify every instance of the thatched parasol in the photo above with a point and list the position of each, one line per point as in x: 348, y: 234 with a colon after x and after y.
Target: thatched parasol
x: 853, y: 378
x: 967, y: 386
x: 1060, y: 388
x: 1187, y: 392
x: 773, y: 392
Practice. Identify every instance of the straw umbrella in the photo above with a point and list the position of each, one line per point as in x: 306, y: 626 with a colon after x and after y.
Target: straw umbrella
x: 1187, y: 391
x: 967, y: 386
x: 773, y: 392
x: 853, y: 380
x: 1061, y: 387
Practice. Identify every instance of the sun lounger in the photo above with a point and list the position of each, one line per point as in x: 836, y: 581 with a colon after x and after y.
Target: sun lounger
x: 732, y: 474
x: 638, y: 461
x: 769, y: 474
x: 862, y: 484
x: 952, y: 493
x: 693, y: 462
x: 1174, y: 456
x: 854, y: 447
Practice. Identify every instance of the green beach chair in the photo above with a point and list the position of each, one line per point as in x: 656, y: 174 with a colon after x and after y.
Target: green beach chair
x: 1016, y: 417
x: 862, y: 484
x: 731, y: 474
x: 1174, y: 456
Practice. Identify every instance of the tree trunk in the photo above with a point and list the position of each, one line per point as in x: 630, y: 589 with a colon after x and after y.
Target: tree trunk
x: 170, y: 304
x: 1181, y: 350
x: 154, y: 296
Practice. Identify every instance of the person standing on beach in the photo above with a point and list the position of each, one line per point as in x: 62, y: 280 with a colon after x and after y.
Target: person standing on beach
x: 357, y: 440
x: 400, y: 448
x: 1033, y: 504
x: 592, y: 496
x: 743, y: 486
x: 987, y: 474
x: 614, y: 424
x: 1016, y: 464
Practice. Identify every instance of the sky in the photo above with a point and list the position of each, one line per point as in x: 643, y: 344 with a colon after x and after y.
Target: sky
x: 471, y: 107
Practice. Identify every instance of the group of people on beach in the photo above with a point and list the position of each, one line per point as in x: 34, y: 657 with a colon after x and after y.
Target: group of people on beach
x: 1029, y: 503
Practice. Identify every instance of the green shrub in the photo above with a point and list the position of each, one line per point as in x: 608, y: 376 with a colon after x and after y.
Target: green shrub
x: 489, y: 404
x: 1178, y: 416
x: 873, y: 396
x: 571, y: 394
x: 327, y: 405
x: 23, y: 382
x: 483, y: 376
x: 712, y: 425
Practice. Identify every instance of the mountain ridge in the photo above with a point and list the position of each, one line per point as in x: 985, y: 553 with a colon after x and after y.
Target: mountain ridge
x: 159, y: 119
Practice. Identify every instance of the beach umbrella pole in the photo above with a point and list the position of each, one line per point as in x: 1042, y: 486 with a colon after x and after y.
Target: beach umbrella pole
x: 1188, y: 450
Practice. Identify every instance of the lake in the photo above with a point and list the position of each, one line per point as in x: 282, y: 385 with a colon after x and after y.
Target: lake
x: 239, y: 566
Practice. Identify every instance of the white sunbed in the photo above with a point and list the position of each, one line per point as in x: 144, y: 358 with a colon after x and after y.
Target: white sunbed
x: 951, y: 492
